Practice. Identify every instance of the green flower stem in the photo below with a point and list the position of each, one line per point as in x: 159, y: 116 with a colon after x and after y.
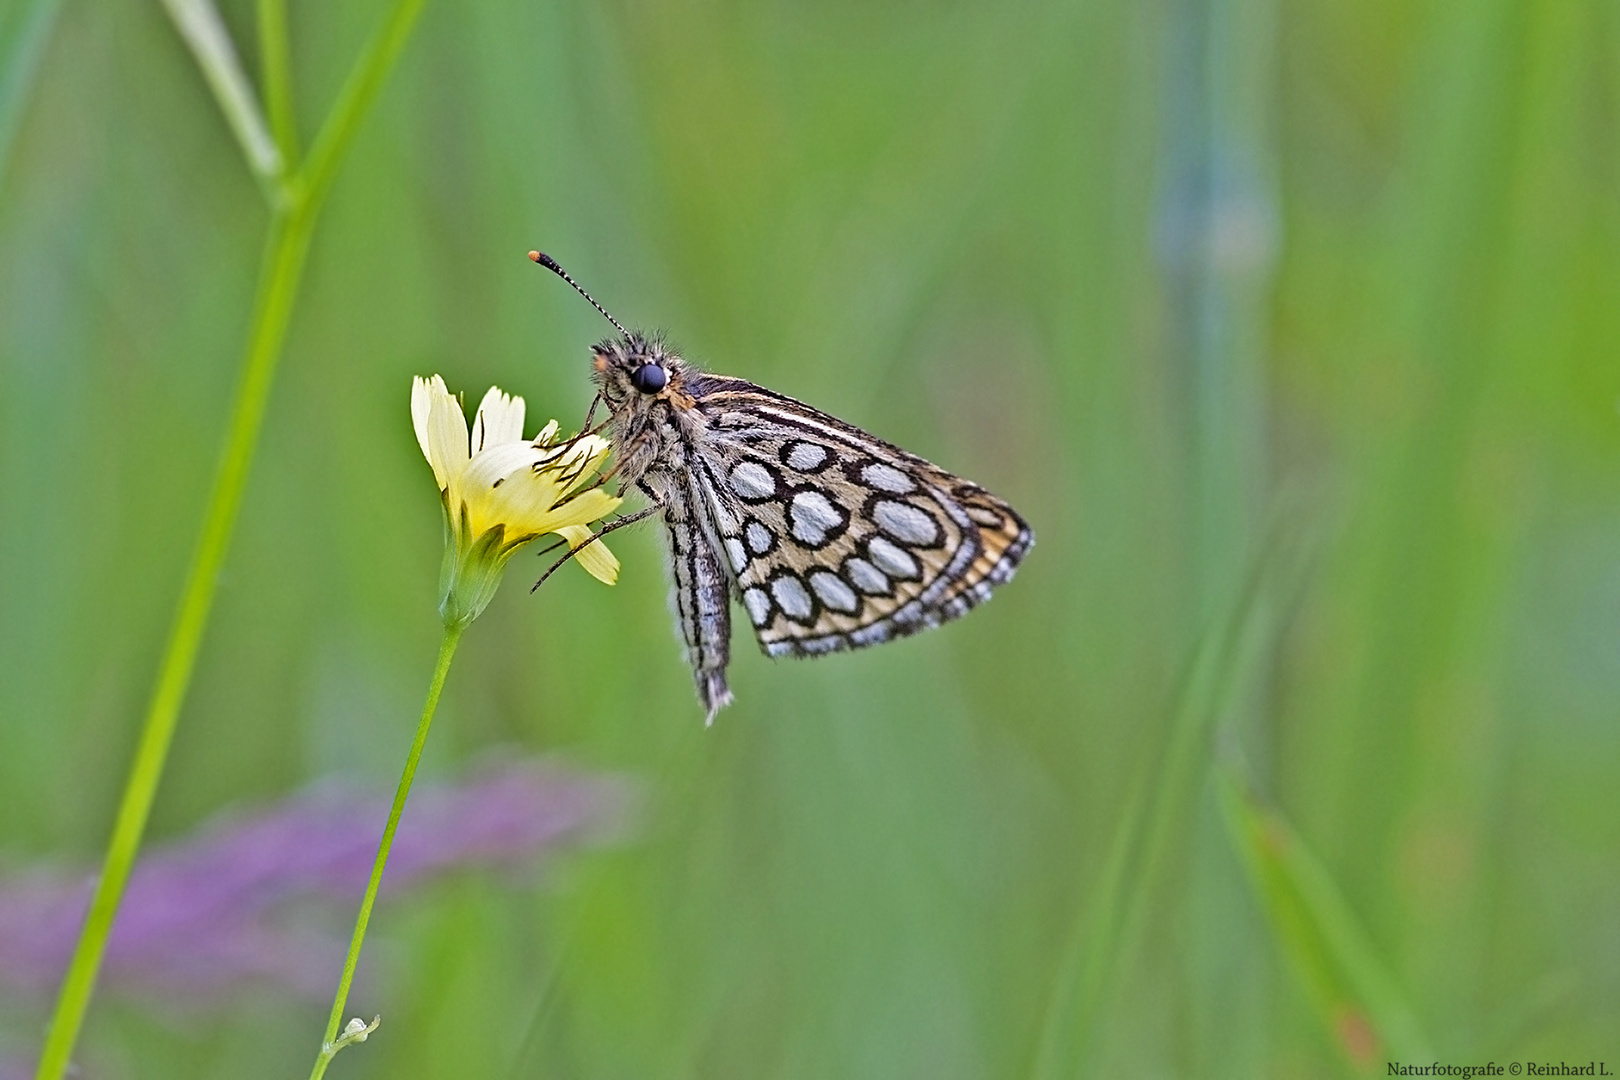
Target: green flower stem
x: 275, y: 67
x: 278, y: 285
x: 296, y: 204
x: 331, y: 1044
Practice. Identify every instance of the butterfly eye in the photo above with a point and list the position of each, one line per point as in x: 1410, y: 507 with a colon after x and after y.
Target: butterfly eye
x: 649, y: 378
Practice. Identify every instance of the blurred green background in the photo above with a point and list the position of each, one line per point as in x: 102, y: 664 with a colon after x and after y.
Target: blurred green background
x: 1290, y: 325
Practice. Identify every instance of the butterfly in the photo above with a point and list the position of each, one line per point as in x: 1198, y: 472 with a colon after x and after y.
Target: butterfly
x: 829, y: 537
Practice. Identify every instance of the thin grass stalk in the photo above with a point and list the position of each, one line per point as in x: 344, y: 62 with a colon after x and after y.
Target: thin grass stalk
x: 278, y: 285
x: 1359, y: 1002
x: 275, y: 64
x: 201, y: 28
x: 296, y: 205
x: 354, y: 101
x: 1107, y: 930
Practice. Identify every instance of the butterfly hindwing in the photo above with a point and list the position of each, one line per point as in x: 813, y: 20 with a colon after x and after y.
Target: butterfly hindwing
x: 829, y: 537
x: 836, y: 539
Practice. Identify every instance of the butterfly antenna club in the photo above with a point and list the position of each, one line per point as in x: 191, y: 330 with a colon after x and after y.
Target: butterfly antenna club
x: 551, y: 264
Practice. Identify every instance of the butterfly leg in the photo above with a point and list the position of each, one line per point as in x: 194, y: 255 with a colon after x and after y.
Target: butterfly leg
x: 617, y: 523
x: 701, y: 601
x: 586, y: 429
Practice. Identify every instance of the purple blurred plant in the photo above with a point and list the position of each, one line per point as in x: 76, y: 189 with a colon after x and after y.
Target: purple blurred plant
x: 200, y: 914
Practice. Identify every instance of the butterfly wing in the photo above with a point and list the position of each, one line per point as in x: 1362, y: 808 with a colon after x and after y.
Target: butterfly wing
x: 698, y: 596
x: 834, y: 538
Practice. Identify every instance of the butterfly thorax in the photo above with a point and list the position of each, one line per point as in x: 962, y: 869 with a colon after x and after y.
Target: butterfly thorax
x: 649, y: 429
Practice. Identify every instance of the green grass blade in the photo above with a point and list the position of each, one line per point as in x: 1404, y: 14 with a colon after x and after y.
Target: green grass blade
x: 205, y: 35
x: 1106, y: 932
x: 286, y: 252
x: 354, y: 101
x: 1358, y: 1001
x: 278, y: 287
x: 276, y: 69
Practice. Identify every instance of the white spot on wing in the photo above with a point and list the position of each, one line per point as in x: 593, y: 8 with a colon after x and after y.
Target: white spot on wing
x: 906, y: 523
x: 791, y: 597
x: 759, y: 538
x: 887, y: 478
x: 983, y: 515
x: 813, y: 516
x: 866, y: 577
x: 805, y: 456
x: 737, y: 553
x: 890, y: 559
x: 751, y: 480
x: 833, y: 592
x: 758, y: 605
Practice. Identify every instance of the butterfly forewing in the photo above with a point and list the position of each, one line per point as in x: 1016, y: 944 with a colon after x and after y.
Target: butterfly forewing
x: 836, y: 539
x: 829, y: 537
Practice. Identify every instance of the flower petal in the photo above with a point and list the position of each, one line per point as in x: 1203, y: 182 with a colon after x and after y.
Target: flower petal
x: 582, y: 509
x: 547, y: 433
x: 597, y: 560
x: 528, y: 502
x: 420, y: 390
x: 441, y: 429
x: 485, y: 483
x: 499, y: 462
x: 581, y: 461
x: 499, y: 420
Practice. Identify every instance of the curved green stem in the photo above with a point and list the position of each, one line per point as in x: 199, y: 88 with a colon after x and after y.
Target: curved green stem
x: 296, y: 201
x: 275, y: 66
x: 331, y: 1044
x: 200, y: 26
x: 354, y: 100
x: 278, y: 285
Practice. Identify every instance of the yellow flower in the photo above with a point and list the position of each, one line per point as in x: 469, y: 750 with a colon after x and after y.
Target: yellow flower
x: 499, y: 491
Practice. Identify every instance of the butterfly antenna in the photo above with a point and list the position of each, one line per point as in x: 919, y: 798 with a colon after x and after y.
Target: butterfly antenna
x: 551, y: 264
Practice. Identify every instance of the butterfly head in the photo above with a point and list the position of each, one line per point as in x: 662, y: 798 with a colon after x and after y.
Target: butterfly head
x: 633, y: 372
x: 636, y: 371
